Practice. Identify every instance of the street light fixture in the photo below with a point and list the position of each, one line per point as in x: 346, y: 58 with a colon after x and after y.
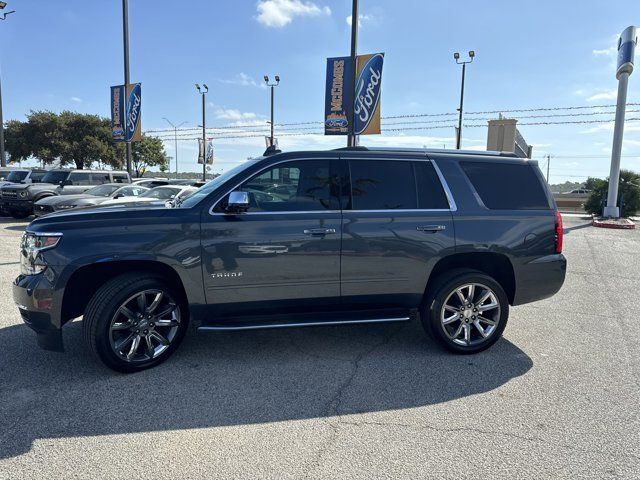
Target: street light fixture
x: 203, y: 93
x: 456, y: 56
x: 272, y: 85
x: 175, y: 133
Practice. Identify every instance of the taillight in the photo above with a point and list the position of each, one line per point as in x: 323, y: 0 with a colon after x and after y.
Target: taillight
x: 559, y: 232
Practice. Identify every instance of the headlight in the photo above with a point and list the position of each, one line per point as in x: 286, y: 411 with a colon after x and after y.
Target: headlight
x: 23, y: 194
x: 64, y: 207
x: 31, y: 262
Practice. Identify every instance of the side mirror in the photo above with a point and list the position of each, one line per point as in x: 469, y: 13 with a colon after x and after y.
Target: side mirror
x: 119, y: 195
x: 238, y: 202
x: 65, y: 182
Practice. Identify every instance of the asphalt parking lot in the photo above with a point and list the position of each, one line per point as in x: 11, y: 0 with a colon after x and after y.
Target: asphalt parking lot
x: 557, y: 397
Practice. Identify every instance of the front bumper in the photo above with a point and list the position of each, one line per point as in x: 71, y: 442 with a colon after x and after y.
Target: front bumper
x: 540, y: 278
x: 18, y: 206
x: 40, y: 307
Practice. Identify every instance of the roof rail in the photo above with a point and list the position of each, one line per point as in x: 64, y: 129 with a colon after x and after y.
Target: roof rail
x: 426, y: 150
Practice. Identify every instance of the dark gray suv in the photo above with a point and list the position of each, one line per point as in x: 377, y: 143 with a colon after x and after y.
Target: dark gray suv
x: 298, y: 239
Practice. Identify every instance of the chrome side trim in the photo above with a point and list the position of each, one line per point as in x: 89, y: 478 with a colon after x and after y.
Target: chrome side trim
x: 447, y: 191
x: 232, y: 328
x: 44, y: 234
x: 399, y: 210
x: 293, y: 212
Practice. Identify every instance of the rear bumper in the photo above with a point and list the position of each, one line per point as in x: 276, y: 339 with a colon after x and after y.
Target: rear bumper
x: 540, y: 278
x: 39, y: 306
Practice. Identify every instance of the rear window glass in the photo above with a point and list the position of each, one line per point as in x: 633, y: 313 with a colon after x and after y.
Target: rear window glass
x: 506, y: 186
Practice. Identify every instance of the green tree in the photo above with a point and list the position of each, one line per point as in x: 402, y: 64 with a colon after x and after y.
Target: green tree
x: 70, y: 138
x: 149, y: 152
x: 628, y: 194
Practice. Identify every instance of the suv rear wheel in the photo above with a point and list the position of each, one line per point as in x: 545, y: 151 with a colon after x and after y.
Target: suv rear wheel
x: 134, y: 321
x: 466, y: 312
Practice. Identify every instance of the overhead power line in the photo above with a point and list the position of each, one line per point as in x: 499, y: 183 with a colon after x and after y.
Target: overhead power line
x: 422, y: 115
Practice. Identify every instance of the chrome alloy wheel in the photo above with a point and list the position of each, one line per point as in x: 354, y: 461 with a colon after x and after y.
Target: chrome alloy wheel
x: 144, y: 326
x: 470, y: 314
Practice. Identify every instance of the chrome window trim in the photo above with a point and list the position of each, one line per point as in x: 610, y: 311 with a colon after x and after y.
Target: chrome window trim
x: 400, y: 210
x: 292, y: 212
x: 447, y: 191
x: 452, y: 204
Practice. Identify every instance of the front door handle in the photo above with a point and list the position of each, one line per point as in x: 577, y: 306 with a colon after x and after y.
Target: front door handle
x: 431, y: 228
x: 319, y: 231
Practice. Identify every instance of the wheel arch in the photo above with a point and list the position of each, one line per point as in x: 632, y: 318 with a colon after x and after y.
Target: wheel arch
x: 496, y: 265
x: 86, y: 280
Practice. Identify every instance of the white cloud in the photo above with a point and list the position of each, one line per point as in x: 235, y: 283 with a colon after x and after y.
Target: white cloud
x: 234, y: 114
x: 76, y: 99
x: 243, y: 80
x: 362, y: 18
x: 279, y: 13
x: 606, y: 52
x: 604, y: 95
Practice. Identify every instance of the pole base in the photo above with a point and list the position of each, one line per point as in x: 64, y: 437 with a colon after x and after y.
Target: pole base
x: 611, y: 212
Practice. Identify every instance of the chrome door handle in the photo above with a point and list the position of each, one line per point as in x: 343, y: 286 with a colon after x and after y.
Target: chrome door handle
x: 318, y: 231
x: 431, y: 228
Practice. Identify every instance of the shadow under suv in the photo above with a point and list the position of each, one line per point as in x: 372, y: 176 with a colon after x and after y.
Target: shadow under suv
x: 297, y: 239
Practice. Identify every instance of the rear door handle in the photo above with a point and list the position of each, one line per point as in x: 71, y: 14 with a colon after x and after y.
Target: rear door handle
x: 319, y: 231
x: 431, y: 228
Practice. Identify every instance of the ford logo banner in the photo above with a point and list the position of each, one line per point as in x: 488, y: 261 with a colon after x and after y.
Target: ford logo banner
x: 368, y: 87
x: 338, y: 107
x: 117, y: 113
x: 134, y: 103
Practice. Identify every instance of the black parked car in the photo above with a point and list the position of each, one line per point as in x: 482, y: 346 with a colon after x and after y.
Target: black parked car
x: 364, y: 236
x: 18, y: 200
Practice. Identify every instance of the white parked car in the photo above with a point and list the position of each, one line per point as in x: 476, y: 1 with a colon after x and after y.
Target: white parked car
x: 158, y: 194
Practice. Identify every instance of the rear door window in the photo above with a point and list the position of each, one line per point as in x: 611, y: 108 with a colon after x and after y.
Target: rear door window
x: 99, y: 178
x: 382, y: 185
x: 506, y: 186
x: 431, y: 195
x: 79, y: 178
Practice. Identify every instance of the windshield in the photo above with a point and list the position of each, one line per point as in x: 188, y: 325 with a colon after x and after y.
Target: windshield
x: 102, y: 190
x: 17, y: 176
x: 205, y: 190
x: 55, y: 176
x: 161, y: 193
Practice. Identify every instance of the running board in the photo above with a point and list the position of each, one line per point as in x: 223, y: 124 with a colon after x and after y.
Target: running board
x: 234, y: 327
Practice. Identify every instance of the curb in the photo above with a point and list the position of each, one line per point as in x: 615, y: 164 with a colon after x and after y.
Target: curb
x: 617, y: 223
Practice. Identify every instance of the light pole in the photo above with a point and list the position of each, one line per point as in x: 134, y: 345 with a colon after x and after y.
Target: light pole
x: 3, y: 158
x: 175, y: 138
x: 125, y: 38
x: 272, y: 85
x: 351, y: 137
x: 203, y: 93
x: 626, y: 50
x: 456, y: 56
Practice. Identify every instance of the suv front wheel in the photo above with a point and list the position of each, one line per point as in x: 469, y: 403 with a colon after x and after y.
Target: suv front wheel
x: 466, y: 312
x: 134, y: 321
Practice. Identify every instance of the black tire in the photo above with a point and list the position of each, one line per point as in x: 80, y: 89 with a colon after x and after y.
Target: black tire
x: 432, y: 312
x: 104, y: 310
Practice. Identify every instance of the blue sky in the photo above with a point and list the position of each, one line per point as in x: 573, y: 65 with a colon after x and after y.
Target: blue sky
x: 65, y: 55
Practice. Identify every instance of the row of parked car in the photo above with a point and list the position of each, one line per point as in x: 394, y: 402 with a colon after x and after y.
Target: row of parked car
x: 25, y: 192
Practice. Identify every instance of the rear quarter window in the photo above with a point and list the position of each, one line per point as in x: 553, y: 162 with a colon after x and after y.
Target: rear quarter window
x: 507, y: 186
